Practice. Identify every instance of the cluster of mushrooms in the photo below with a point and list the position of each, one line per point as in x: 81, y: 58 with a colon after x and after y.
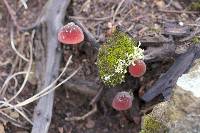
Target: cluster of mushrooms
x: 123, y: 100
x: 72, y: 34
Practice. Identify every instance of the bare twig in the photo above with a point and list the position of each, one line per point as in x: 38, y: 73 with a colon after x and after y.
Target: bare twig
x: 97, y: 97
x: 116, y: 11
x: 5, y: 62
x: 176, y: 11
x: 90, y: 18
x: 89, y: 37
x: 79, y: 118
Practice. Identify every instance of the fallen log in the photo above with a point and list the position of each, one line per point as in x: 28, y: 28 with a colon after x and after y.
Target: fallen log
x: 168, y: 80
x: 48, y: 56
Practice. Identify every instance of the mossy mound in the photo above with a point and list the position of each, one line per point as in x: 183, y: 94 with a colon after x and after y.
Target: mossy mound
x: 115, y: 56
x: 151, y: 125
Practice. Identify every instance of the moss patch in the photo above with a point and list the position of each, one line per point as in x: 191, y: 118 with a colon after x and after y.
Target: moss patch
x: 151, y: 125
x: 115, y: 56
x: 195, y: 5
x: 196, y: 40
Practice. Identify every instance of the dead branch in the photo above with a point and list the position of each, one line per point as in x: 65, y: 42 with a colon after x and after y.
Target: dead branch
x: 169, y: 79
x: 89, y: 37
x: 159, y: 53
x: 48, y: 56
x: 154, y: 41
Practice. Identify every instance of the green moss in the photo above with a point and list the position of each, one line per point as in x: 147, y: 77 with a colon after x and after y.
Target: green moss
x: 115, y: 56
x: 196, y: 40
x: 195, y: 5
x: 151, y: 125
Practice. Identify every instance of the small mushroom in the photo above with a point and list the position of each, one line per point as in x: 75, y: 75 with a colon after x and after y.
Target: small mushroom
x: 138, y: 68
x: 70, y: 34
x: 122, y: 101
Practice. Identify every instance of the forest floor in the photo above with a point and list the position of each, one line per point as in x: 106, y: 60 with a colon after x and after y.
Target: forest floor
x: 141, y: 18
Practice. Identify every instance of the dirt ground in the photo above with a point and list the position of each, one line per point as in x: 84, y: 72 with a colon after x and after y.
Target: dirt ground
x: 141, y: 18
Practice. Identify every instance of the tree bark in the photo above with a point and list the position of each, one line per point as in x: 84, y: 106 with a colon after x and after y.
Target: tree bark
x: 48, y: 56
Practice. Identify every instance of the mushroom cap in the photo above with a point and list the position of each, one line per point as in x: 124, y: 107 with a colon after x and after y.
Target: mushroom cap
x: 70, y: 34
x: 138, y: 69
x: 122, y: 101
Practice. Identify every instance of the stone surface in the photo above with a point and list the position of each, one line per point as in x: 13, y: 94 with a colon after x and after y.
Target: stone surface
x: 191, y: 80
x: 181, y: 114
x: 191, y: 122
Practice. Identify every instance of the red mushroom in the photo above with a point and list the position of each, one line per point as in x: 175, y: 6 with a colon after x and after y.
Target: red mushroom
x: 70, y: 34
x: 122, y: 101
x: 138, y: 69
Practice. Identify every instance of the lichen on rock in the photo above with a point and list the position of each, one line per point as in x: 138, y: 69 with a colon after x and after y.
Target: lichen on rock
x: 115, y: 56
x: 179, y: 115
x: 152, y: 125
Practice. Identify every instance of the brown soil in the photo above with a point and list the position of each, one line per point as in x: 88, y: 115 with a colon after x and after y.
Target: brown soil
x: 141, y: 18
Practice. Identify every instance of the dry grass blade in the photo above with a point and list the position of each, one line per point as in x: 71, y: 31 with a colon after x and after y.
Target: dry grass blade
x: 13, y: 46
x: 47, y: 91
x: 25, y: 80
x: 47, y: 88
x: 8, y: 80
x: 27, y: 74
x: 116, y: 11
x: 17, y: 110
x: 5, y: 62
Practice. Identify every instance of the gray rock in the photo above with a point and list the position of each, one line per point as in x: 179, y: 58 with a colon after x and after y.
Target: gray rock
x: 191, y: 80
